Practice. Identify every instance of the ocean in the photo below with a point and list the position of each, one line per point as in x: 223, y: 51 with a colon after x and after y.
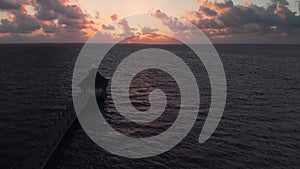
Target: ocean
x: 259, y: 127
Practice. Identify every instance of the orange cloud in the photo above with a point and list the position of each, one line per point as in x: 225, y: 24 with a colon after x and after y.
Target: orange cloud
x: 219, y: 7
x: 150, y: 38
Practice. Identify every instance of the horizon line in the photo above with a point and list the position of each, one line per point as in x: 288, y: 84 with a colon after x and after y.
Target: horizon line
x: 32, y: 43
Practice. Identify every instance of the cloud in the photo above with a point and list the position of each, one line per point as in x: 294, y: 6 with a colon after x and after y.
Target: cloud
x: 151, y: 38
x: 108, y: 27
x: 207, y: 11
x: 147, y: 29
x: 61, y: 20
x: 70, y: 18
x: 52, y: 9
x: 171, y: 22
x: 50, y: 27
x: 20, y: 23
x: 226, y: 19
x: 59, y: 7
x: 97, y: 15
x: 114, y: 17
x: 7, y: 5
x: 45, y: 14
x: 216, y: 5
x: 127, y: 30
x: 220, y: 20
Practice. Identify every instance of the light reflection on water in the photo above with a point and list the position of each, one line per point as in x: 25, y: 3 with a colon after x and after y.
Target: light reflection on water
x: 259, y: 129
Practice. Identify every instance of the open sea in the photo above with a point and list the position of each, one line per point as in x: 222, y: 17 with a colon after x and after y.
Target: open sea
x: 260, y: 127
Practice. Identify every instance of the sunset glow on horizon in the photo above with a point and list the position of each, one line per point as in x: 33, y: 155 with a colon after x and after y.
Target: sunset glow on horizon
x: 74, y: 21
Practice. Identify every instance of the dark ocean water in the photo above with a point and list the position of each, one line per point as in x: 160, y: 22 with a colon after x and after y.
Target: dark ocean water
x: 259, y: 128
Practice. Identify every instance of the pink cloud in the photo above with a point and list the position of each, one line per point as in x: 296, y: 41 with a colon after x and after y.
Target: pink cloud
x: 114, y: 17
x: 127, y: 30
x: 147, y: 29
x: 108, y: 27
x: 171, y: 22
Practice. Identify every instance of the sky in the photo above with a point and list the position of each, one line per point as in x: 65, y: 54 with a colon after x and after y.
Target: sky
x: 222, y: 21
